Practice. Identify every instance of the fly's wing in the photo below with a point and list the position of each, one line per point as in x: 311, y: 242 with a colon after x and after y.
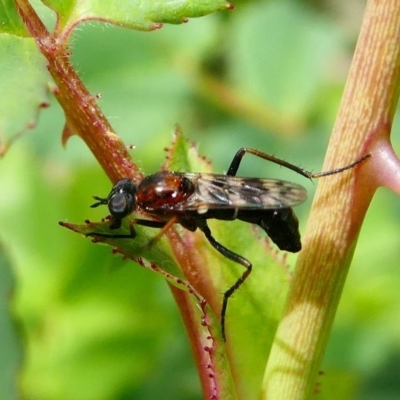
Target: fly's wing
x: 214, y: 191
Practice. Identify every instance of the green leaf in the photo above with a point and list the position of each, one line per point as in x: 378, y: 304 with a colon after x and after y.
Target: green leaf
x: 23, y: 87
x: 255, y: 309
x: 184, y: 157
x: 134, y: 248
x: 10, y: 21
x: 141, y: 15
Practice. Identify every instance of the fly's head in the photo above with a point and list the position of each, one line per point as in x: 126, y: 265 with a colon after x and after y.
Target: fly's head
x: 121, y: 201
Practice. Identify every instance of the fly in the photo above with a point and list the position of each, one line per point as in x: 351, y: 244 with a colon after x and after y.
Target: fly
x: 190, y: 199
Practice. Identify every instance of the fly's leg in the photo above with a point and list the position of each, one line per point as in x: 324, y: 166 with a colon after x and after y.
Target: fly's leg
x: 164, y: 227
x: 233, y: 168
x: 203, y: 226
x: 132, y: 234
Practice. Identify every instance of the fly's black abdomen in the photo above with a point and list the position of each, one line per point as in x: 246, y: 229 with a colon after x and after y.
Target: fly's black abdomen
x: 282, y: 226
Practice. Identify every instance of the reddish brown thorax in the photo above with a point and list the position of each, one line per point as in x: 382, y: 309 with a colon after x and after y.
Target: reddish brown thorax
x: 163, y: 190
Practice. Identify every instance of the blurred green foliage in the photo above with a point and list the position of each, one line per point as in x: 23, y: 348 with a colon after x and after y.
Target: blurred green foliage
x: 97, y: 327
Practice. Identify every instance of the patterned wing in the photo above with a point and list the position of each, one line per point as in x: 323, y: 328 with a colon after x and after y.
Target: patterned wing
x: 214, y: 191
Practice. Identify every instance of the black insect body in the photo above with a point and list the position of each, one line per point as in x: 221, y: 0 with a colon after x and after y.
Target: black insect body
x: 190, y: 199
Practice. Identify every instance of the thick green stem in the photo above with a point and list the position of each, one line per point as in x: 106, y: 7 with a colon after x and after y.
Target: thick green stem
x: 363, y: 125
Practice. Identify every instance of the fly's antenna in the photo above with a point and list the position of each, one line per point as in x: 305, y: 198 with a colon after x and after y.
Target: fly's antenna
x: 100, y: 202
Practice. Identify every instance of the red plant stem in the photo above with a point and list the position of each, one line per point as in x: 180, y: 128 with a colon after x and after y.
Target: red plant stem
x: 363, y: 126
x: 82, y: 114
x: 85, y: 118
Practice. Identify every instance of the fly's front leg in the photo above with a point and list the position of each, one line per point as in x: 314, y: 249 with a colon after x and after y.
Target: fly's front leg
x: 132, y: 232
x: 203, y: 226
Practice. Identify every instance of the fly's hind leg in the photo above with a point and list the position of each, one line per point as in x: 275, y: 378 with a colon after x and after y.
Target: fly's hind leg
x: 203, y: 226
x: 233, y: 168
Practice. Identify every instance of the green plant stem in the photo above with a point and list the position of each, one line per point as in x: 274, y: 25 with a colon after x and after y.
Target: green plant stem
x: 362, y: 126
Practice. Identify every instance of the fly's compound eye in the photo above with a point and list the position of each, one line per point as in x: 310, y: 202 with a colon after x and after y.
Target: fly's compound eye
x: 122, y: 198
x: 120, y: 204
